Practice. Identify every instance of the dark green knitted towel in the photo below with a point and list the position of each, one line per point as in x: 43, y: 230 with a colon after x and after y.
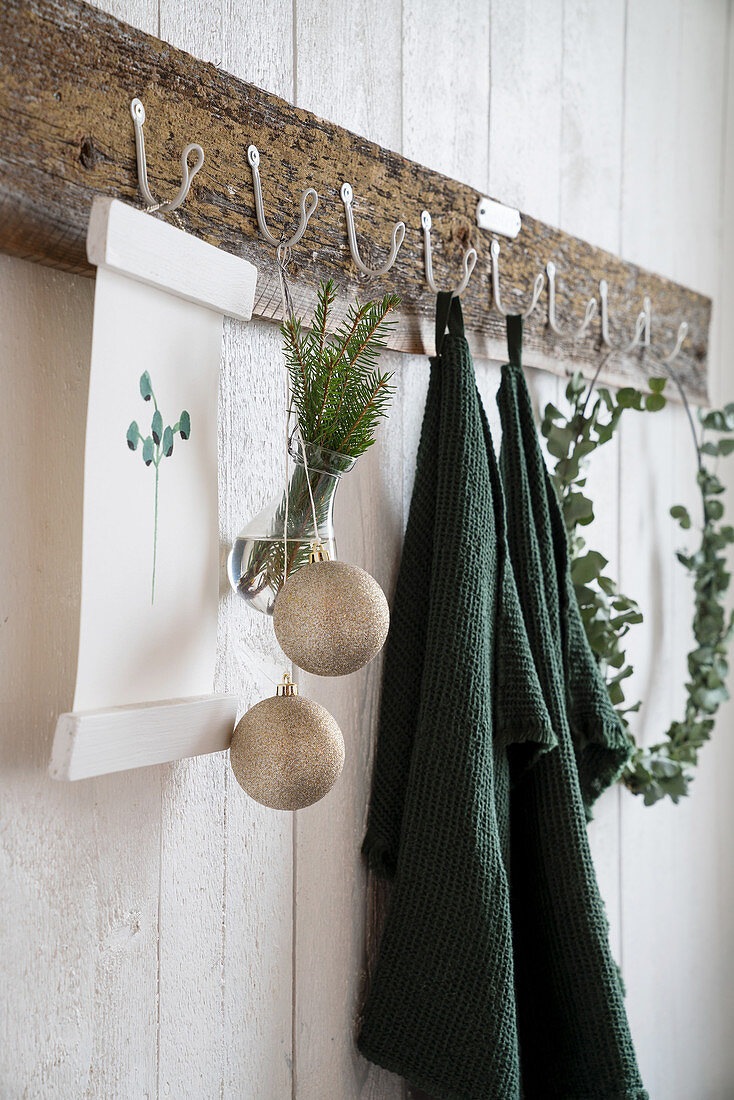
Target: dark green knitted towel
x: 466, y: 726
x: 573, y: 1027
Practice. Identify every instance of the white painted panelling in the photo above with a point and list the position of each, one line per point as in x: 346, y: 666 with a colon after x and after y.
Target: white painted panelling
x: 526, y: 109
x: 591, y: 122
x: 669, y: 854
x: 348, y: 70
x: 148, y: 918
x: 445, y: 88
x: 226, y: 872
x: 80, y: 862
x: 721, y: 1068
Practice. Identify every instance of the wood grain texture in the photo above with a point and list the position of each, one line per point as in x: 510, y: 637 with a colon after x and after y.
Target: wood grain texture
x: 65, y: 116
x: 332, y: 904
x: 80, y: 862
x: 226, y: 894
x: 669, y: 856
x: 147, y: 918
x: 592, y: 111
x: 526, y: 41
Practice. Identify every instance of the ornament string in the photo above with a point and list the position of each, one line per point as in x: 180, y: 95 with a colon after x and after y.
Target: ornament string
x: 283, y: 255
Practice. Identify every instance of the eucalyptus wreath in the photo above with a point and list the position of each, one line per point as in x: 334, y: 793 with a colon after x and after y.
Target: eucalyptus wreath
x: 666, y: 768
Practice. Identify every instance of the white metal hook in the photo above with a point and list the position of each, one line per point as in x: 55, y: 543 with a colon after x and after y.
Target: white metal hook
x: 309, y: 202
x: 589, y: 312
x: 398, y: 236
x: 642, y: 324
x: 494, y: 249
x: 682, y: 333
x: 137, y: 110
x: 470, y: 259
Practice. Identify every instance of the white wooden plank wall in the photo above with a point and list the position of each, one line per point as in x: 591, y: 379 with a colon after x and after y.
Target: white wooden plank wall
x: 170, y: 937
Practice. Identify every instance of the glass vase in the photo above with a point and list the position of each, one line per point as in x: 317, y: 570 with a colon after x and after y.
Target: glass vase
x: 255, y: 562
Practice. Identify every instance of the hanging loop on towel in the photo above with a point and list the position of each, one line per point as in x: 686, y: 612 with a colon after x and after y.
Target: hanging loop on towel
x: 449, y: 314
x: 682, y: 333
x: 137, y: 110
x: 398, y: 236
x: 494, y: 249
x: 642, y: 324
x: 470, y: 259
x: 589, y: 312
x: 309, y: 202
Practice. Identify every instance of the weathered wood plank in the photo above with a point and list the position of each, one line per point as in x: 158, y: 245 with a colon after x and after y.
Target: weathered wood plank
x: 68, y: 136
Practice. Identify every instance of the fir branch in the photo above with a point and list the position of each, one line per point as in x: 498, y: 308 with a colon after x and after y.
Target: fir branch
x: 338, y: 394
x: 370, y: 410
x: 364, y: 344
x: 326, y: 296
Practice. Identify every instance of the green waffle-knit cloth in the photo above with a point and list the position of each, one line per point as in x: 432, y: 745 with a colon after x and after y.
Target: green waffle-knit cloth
x: 494, y: 979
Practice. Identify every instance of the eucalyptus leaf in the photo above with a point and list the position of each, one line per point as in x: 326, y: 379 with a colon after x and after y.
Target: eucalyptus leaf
x: 168, y: 442
x: 628, y: 397
x: 577, y: 509
x: 146, y: 390
x: 681, y: 514
x: 588, y: 567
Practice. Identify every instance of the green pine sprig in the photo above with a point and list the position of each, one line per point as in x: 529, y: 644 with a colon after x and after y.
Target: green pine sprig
x: 339, y: 395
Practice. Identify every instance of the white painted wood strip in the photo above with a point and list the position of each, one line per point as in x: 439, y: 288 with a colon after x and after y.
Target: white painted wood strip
x: 151, y: 251
x: 331, y: 905
x: 592, y: 113
x: 525, y: 118
x: 671, y: 868
x: 226, y: 890
x: 79, y: 862
x: 258, y: 949
x: 591, y: 135
x: 96, y: 742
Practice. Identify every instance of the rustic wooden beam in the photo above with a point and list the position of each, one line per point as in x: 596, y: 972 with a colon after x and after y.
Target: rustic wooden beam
x: 69, y: 73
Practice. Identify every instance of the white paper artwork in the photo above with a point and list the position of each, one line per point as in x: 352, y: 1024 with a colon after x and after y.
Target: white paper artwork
x: 150, y: 541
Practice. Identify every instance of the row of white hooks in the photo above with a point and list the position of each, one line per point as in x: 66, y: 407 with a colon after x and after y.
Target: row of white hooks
x: 641, y: 337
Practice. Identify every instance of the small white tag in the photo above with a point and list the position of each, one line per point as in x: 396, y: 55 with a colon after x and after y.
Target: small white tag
x: 498, y: 218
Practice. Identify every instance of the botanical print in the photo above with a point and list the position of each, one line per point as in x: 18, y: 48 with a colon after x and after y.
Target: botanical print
x: 156, y: 446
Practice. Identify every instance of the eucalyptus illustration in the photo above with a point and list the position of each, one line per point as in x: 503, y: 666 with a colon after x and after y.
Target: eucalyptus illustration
x: 156, y: 446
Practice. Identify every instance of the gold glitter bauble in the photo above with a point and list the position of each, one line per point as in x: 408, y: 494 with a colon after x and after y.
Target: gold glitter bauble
x: 287, y: 752
x: 331, y: 618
